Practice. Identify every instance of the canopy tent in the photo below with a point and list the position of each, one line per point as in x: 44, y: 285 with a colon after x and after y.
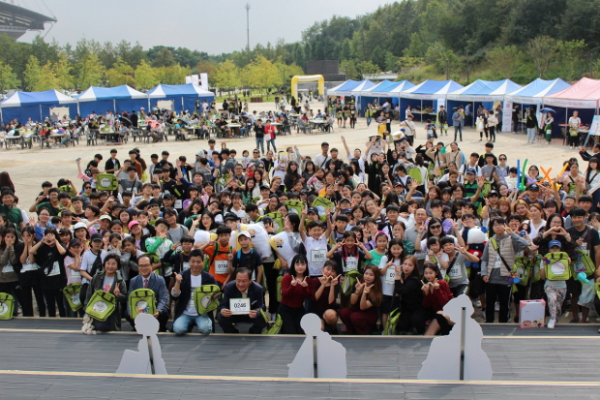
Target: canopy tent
x: 115, y: 99
x: 536, y: 90
x: 350, y: 88
x: 429, y: 94
x: 384, y: 90
x: 583, y: 94
x: 183, y: 96
x: 343, y: 87
x: 485, y: 91
x: 35, y: 105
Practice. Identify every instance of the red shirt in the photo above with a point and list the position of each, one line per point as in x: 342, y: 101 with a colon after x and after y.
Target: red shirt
x: 294, y: 296
x: 438, y: 299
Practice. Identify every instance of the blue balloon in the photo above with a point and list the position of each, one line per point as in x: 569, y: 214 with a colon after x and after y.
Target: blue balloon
x: 582, y: 277
x: 516, y: 279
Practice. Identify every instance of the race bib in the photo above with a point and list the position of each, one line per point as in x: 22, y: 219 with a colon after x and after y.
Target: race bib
x: 186, y: 266
x: 8, y: 268
x: 178, y: 204
x: 55, y: 269
x: 454, y: 273
x: 351, y: 264
x: 75, y: 273
x: 390, y: 275
x: 239, y: 306
x: 29, y: 267
x: 221, y: 267
x: 318, y: 256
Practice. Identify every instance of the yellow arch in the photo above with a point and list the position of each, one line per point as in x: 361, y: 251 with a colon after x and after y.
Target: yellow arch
x: 307, y: 78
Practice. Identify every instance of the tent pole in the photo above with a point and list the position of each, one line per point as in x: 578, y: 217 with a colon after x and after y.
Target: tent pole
x: 41, y: 115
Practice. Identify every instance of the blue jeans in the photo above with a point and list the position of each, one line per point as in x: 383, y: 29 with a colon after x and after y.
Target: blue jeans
x: 182, y: 324
x: 369, y: 119
x: 269, y: 143
x: 260, y: 145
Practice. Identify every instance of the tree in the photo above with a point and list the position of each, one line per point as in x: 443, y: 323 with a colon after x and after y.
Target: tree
x: 62, y: 71
x: 48, y: 79
x: 504, y: 60
x: 90, y: 72
x: 32, y: 74
x: 542, y: 50
x: 417, y: 47
x: 367, y: 68
x: 164, y: 58
x: 145, y: 77
x: 227, y: 75
x: 172, y: 75
x: 350, y: 68
x: 8, y: 79
x: 120, y: 74
x: 391, y: 62
x: 443, y: 59
x: 571, y: 53
x: 264, y: 74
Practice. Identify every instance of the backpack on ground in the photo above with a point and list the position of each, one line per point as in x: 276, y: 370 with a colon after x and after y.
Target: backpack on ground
x: 142, y: 301
x: 71, y: 293
x: 101, y: 305
x: 391, y: 323
x: 273, y: 327
x: 7, y: 306
x: 204, y: 299
x: 350, y: 281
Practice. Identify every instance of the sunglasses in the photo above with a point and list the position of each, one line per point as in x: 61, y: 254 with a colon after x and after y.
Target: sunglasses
x: 87, y: 187
x: 502, y: 159
x: 435, y: 226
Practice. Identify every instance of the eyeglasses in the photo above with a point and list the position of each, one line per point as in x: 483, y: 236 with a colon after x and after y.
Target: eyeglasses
x: 87, y: 187
x: 435, y: 226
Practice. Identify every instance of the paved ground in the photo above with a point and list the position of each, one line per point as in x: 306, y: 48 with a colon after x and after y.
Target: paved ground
x: 58, y: 365
x: 28, y: 168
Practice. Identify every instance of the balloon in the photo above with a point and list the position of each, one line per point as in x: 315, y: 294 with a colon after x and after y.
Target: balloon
x: 516, y: 279
x: 582, y: 277
x: 522, y: 185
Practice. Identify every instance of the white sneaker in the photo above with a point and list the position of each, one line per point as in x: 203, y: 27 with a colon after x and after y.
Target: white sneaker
x: 497, y: 307
x: 551, y: 323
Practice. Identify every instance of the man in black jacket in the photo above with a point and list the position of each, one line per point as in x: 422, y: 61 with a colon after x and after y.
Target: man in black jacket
x: 246, y: 299
x: 185, y: 284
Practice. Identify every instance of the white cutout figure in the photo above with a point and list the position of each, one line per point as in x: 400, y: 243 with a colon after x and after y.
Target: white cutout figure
x: 444, y: 359
x: 330, y: 355
x: 145, y: 361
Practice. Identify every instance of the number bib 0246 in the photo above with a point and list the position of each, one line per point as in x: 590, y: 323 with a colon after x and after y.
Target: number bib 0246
x: 239, y: 306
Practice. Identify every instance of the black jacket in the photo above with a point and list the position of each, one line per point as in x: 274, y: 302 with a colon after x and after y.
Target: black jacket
x: 186, y: 289
x: 255, y: 294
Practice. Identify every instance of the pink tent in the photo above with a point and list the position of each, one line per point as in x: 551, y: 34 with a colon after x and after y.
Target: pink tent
x: 583, y: 94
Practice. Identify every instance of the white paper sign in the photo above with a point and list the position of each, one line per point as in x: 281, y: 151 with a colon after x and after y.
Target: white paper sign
x: 239, y: 306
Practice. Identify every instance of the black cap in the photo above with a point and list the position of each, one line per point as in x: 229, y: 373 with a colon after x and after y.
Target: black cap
x: 493, y: 193
x: 96, y: 237
x: 264, y: 187
x: 533, y: 186
x: 231, y: 217
x: 74, y: 242
x: 312, y: 210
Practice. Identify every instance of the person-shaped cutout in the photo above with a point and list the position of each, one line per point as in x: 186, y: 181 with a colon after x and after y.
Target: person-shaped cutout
x: 330, y: 355
x: 444, y: 358
x: 147, y: 360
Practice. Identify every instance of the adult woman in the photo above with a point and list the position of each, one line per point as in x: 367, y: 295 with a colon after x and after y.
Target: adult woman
x: 433, y: 193
x: 496, y: 268
x: 295, y: 290
x: 261, y: 180
x: 292, y: 175
x: 548, y: 126
x: 30, y: 275
x: 110, y: 281
x: 43, y: 223
x: 533, y: 175
x: 373, y: 172
x: 248, y: 190
x: 521, y: 208
x: 531, y: 126
x: 309, y: 170
x: 317, y: 181
x: 194, y: 208
x: 270, y: 133
x: 125, y: 218
x: 592, y: 180
x: 49, y: 255
x: 434, y: 229
x: 408, y: 286
x: 9, y: 275
x: 572, y: 178
x: 362, y: 317
x: 536, y: 221
x: 6, y: 182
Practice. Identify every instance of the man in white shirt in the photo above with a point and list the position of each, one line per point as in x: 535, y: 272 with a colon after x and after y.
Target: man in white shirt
x: 322, y: 159
x: 473, y: 161
x: 411, y: 133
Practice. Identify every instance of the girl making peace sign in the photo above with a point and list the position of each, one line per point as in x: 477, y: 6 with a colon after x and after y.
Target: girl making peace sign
x: 362, y: 317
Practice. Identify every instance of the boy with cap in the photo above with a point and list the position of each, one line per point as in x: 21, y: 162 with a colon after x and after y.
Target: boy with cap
x: 247, y: 257
x: 91, y: 263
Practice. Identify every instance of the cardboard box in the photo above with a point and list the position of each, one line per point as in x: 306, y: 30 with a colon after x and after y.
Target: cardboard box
x: 532, y: 313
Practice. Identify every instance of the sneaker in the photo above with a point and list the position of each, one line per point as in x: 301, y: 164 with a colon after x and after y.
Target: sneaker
x: 497, y: 307
x: 551, y: 323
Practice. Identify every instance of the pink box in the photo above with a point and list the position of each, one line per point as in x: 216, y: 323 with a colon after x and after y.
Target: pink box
x: 532, y: 313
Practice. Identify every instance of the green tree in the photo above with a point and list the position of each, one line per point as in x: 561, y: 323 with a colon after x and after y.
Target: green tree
x: 367, y: 68
x: 120, y: 74
x: 571, y: 53
x: 391, y: 62
x: 504, y: 61
x: 227, y: 75
x: 62, y: 71
x: 90, y: 72
x: 542, y: 50
x: 417, y: 47
x: 8, y: 79
x: 33, y: 74
x: 48, y: 79
x: 172, y: 75
x: 264, y: 74
x: 164, y: 58
x: 145, y: 77
x: 350, y: 68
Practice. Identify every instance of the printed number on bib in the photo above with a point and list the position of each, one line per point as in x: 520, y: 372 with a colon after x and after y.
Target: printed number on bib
x: 239, y: 306
x: 390, y: 275
x: 55, y: 269
x: 351, y: 264
x: 221, y: 267
x: 318, y: 256
x: 186, y: 266
x: 454, y: 273
x: 178, y: 204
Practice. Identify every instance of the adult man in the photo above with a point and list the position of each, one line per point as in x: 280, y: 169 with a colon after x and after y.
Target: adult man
x: 457, y: 120
x: 241, y: 289
x: 322, y: 159
x: 586, y: 156
x: 52, y: 205
x: 357, y: 155
x: 147, y: 280
x: 443, y: 120
x: 186, y: 283
x: 259, y: 135
x: 412, y: 234
x: 112, y: 164
x: 411, y: 133
x: 473, y: 163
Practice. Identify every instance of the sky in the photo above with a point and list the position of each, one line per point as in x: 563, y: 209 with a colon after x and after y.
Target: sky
x: 215, y: 27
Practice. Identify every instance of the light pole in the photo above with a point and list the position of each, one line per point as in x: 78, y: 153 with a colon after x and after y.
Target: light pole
x: 248, y: 27
x: 447, y: 70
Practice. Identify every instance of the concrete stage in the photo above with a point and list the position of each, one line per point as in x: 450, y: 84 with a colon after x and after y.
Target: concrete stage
x: 52, y: 359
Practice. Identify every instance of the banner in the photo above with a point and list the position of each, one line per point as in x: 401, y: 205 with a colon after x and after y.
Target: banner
x: 203, y: 80
x: 507, y: 117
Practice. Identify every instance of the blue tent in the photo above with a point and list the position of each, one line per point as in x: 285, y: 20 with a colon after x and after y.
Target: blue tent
x: 536, y: 90
x: 429, y: 94
x: 385, y: 90
x: 115, y: 99
x: 344, y: 88
x: 35, y: 105
x: 183, y: 96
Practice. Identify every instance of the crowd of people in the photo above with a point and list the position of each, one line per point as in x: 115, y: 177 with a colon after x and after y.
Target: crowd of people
x: 376, y: 239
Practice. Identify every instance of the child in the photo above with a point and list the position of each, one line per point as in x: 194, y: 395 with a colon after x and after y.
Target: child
x: 247, y: 257
x: 160, y: 245
x: 295, y: 290
x: 180, y: 259
x: 361, y: 317
x: 436, y: 292
x: 381, y: 244
x: 454, y: 266
x: 387, y: 268
x: 315, y: 243
x: 220, y: 254
x: 555, y: 288
x: 341, y: 222
x: 129, y: 256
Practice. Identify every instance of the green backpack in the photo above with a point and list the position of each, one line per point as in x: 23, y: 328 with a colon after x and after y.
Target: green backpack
x: 101, y: 305
x: 597, y: 289
x: 536, y: 266
x: 272, y: 328
x: 279, y: 294
x: 391, y: 323
x: 522, y: 268
x: 107, y: 182
x: 204, y: 300
x: 321, y: 203
x: 415, y: 173
x: 7, y: 306
x: 349, y: 281
x: 582, y: 262
x: 142, y: 301
x: 295, y: 205
x: 71, y: 293
x: 557, y: 266
x: 277, y: 220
